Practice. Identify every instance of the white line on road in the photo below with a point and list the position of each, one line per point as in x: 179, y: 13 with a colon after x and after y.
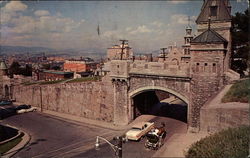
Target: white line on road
x: 70, y: 146
x: 78, y: 150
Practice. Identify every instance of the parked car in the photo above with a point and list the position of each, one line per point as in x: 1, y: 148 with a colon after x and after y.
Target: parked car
x: 24, y: 106
x: 5, y: 102
x: 7, y: 112
x: 138, y: 130
x: 26, y: 110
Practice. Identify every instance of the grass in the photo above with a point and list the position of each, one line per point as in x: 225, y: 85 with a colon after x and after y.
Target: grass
x: 230, y: 143
x: 51, y: 82
x: 84, y: 79
x: 29, y: 83
x: 239, y: 92
x: 7, y: 146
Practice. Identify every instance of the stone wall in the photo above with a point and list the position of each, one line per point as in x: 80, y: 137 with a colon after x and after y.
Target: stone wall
x: 93, y: 100
x: 214, y: 119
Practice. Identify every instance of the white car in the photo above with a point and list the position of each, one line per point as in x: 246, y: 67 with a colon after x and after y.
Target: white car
x: 138, y: 130
x: 26, y: 110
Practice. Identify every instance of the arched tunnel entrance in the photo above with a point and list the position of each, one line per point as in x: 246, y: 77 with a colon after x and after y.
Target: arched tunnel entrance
x: 159, y: 103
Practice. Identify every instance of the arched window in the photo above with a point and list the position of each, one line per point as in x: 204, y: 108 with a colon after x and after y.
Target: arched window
x: 175, y: 61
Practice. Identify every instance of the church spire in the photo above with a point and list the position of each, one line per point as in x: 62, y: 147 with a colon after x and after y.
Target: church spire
x: 219, y: 10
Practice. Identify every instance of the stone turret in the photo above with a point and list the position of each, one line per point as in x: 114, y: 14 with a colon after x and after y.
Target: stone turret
x: 220, y: 13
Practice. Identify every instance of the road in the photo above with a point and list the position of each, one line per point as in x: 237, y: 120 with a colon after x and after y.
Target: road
x: 53, y: 137
x: 136, y: 149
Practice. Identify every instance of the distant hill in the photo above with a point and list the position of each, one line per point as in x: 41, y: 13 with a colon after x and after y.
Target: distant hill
x: 22, y: 49
x: 34, y: 51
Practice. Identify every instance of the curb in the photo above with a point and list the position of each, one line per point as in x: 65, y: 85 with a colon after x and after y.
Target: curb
x: 12, y: 138
x: 25, y: 140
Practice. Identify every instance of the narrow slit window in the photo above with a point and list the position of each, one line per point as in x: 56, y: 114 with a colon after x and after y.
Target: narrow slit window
x: 214, y: 68
x: 205, y: 67
x: 197, y: 67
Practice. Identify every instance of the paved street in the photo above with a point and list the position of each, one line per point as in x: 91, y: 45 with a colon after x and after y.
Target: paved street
x: 137, y: 149
x: 53, y: 137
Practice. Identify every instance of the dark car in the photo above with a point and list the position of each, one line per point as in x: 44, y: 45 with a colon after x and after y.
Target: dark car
x: 24, y: 106
x: 4, y: 113
x: 5, y: 102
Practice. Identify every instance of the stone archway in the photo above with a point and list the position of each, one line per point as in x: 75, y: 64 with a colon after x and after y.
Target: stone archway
x: 146, y: 101
x: 147, y: 88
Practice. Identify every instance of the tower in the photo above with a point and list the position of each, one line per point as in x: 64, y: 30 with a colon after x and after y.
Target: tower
x: 210, y: 55
x: 187, y: 39
x: 219, y: 12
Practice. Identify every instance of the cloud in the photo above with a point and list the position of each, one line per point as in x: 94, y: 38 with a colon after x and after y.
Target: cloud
x: 15, y: 6
x: 177, y: 1
x: 39, y: 28
x: 42, y: 13
x: 141, y: 29
x: 157, y: 23
x: 182, y: 19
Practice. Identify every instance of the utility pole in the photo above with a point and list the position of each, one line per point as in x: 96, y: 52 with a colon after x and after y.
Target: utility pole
x: 164, y: 53
x: 123, y: 43
x: 120, y: 140
x: 41, y: 98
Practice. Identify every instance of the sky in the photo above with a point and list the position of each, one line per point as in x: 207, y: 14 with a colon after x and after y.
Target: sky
x: 147, y: 25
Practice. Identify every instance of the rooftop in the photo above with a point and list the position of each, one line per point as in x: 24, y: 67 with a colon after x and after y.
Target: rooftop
x: 223, y: 11
x: 209, y: 36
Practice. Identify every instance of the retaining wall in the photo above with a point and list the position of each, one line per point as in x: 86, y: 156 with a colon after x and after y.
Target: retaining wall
x: 93, y: 100
x: 226, y: 115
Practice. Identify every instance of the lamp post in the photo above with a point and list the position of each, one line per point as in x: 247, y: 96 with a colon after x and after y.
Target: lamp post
x: 117, y: 148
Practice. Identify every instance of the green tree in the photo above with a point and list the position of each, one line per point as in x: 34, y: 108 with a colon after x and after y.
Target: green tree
x: 14, y: 68
x: 240, y: 42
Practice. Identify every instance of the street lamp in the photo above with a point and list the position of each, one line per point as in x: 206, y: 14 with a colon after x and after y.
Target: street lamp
x: 117, y: 148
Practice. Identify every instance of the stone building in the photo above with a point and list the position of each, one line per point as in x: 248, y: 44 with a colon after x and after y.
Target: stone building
x: 219, y: 12
x: 79, y: 66
x: 54, y: 75
x: 178, y: 55
x: 210, y: 54
x: 115, y: 52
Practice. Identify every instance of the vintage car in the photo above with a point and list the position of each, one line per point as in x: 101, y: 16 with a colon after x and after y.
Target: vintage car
x: 138, y: 130
x: 155, y: 137
x: 31, y: 109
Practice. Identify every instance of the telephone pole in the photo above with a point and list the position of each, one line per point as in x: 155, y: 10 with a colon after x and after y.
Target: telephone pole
x: 123, y: 43
x: 164, y: 53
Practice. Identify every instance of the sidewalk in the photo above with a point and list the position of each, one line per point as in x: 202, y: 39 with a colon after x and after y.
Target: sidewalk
x: 79, y: 120
x: 178, y: 144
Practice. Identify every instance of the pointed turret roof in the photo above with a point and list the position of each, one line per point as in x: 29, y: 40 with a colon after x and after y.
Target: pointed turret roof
x: 3, y: 66
x: 223, y: 11
x: 209, y: 36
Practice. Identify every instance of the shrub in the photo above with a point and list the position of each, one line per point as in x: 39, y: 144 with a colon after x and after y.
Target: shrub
x: 230, y: 143
x: 239, y: 92
x: 51, y: 82
x: 7, y: 146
